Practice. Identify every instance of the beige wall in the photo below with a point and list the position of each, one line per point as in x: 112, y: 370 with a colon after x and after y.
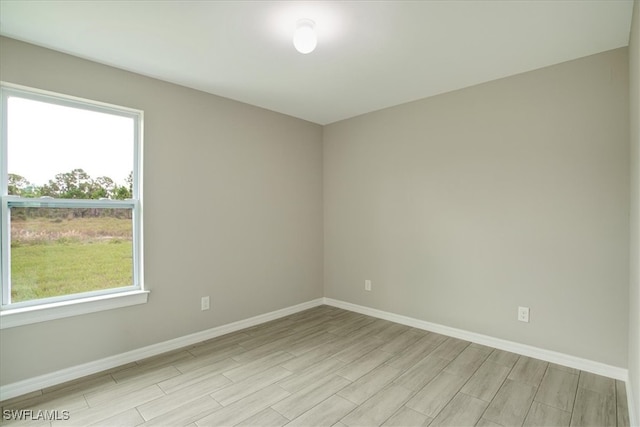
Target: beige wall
x: 459, y: 208
x: 634, y: 284
x: 463, y: 206
x: 233, y: 209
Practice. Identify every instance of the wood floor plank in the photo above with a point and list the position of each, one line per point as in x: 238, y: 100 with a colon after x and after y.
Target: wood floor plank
x: 558, y: 389
x: 593, y: 409
x: 345, y: 328
x: 315, y: 355
x: 15, y: 401
x: 305, y: 399
x: 49, y: 401
x: 265, y: 418
x: 400, y: 342
x: 313, y: 374
x: 511, y: 404
x: 218, y: 344
x: 416, y: 352
x: 312, y: 324
x: 263, y: 350
x: 326, y: 413
x: 115, y: 405
x: 164, y: 359
x: 597, y: 383
x: 364, y: 365
x: 407, y: 417
x: 395, y: 329
x: 308, y: 343
x: 271, y: 327
x: 372, y: 329
x: 245, y: 408
x: 486, y: 381
x: 434, y: 396
x: 541, y: 415
x: 83, y: 385
x: 483, y: 422
x: 117, y: 391
x: 503, y: 358
x: 487, y: 350
x: 528, y: 370
x: 622, y: 407
x: 255, y: 367
x: 169, y: 402
x: 179, y: 382
x: 145, y: 375
x: 185, y: 414
x: 379, y: 408
x: 358, y: 348
x: 421, y: 373
x: 239, y: 390
x: 450, y: 348
x: 370, y: 384
x: 208, y: 359
x: 463, y: 410
x: 130, y: 417
x: 467, y: 362
x: 564, y: 368
x: 265, y: 339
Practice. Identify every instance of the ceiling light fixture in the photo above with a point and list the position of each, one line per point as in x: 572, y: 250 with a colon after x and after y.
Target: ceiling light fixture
x: 305, y: 39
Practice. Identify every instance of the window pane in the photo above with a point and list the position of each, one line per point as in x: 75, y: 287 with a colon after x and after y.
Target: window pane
x: 64, y: 251
x: 64, y: 152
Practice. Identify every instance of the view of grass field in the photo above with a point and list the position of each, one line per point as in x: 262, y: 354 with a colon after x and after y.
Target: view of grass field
x: 59, y: 254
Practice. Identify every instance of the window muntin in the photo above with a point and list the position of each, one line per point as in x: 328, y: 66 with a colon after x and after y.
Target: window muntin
x: 76, y: 234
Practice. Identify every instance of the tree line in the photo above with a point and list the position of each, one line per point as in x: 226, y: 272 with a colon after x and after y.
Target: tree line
x: 76, y: 184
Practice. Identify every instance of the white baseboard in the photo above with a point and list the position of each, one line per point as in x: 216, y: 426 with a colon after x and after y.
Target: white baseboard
x: 58, y: 377
x: 634, y: 407
x: 514, y: 347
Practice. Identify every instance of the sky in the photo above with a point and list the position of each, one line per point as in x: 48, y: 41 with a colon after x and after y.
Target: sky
x: 46, y: 139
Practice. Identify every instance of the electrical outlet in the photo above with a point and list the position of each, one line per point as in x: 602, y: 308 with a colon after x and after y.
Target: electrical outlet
x: 523, y: 314
x: 204, y: 303
x: 367, y: 285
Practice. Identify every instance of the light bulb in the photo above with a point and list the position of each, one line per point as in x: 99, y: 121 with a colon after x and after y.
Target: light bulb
x: 305, y: 39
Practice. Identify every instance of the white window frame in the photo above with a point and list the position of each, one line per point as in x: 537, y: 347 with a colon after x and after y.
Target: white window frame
x: 45, y: 309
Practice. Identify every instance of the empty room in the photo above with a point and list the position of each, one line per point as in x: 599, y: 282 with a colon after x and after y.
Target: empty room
x: 326, y: 213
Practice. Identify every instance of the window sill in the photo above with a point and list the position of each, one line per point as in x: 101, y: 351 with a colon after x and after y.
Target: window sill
x: 42, y: 313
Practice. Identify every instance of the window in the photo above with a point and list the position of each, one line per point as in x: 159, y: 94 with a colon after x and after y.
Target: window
x: 70, y: 180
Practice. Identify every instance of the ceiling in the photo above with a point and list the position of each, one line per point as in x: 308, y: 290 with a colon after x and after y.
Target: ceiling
x: 370, y: 55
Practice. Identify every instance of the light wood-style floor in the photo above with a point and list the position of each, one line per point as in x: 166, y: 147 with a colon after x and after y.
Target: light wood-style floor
x: 327, y: 366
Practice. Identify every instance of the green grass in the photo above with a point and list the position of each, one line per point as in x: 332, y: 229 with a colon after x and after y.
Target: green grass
x: 51, y: 258
x: 42, y: 271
